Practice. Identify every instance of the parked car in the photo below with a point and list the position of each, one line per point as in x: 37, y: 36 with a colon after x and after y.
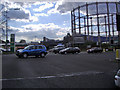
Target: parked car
x: 70, y: 50
x: 51, y: 50
x: 117, y: 79
x: 32, y: 50
x: 4, y: 50
x: 95, y: 50
x: 56, y: 50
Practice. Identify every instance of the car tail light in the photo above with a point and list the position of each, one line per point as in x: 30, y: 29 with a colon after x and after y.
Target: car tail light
x: 115, y: 78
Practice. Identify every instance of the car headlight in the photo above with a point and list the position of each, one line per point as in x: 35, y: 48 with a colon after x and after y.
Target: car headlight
x: 20, y: 51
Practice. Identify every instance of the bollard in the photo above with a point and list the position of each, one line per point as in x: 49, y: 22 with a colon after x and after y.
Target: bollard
x: 103, y: 50
x: 118, y: 54
x: 106, y: 50
x: 114, y: 49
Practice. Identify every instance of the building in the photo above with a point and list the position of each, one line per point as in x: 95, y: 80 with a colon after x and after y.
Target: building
x: 50, y: 43
x: 74, y: 39
x: 95, y: 21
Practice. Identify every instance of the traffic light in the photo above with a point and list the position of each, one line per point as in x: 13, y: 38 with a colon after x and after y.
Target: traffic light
x: 118, y: 22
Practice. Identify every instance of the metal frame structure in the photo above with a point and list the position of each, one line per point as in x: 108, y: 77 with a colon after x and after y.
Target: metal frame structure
x: 84, y: 23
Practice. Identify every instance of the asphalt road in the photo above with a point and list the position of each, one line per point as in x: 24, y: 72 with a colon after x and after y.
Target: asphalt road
x: 60, y: 71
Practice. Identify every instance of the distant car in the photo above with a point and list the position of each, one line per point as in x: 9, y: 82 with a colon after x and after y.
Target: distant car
x: 56, y: 50
x: 51, y: 50
x: 95, y: 50
x: 1, y: 49
x: 32, y: 50
x: 117, y: 79
x: 4, y: 50
x: 70, y: 50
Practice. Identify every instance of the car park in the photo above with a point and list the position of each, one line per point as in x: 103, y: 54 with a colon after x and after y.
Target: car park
x: 32, y: 50
x: 117, y: 79
x: 70, y: 50
x: 95, y: 50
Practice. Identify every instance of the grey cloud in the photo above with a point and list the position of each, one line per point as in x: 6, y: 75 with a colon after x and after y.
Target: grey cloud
x: 68, y: 6
x: 40, y: 34
x: 17, y: 14
x: 20, y: 3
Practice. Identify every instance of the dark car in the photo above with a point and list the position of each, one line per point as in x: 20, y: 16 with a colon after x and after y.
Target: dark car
x: 56, y: 50
x: 32, y: 50
x: 95, y: 50
x: 70, y: 50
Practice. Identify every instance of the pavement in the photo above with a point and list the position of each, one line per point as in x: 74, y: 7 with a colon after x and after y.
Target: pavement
x: 81, y: 70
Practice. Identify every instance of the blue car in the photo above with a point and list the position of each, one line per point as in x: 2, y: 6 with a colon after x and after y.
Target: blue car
x: 32, y: 50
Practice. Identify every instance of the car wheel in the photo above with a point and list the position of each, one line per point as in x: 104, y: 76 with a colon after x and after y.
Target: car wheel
x: 25, y: 55
x: 77, y: 52
x: 42, y: 55
x: 65, y: 52
x: 19, y: 56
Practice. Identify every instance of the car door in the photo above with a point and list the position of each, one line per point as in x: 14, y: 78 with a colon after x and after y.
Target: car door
x: 75, y: 50
x: 32, y: 51
x: 39, y: 49
x: 96, y: 50
x: 69, y: 50
x: 36, y: 50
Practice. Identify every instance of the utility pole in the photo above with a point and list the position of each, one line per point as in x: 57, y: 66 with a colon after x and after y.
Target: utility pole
x: 6, y: 32
x: 6, y: 44
x: 118, y: 21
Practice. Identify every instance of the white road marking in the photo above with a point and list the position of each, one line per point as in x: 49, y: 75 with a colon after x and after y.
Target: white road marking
x: 57, y: 76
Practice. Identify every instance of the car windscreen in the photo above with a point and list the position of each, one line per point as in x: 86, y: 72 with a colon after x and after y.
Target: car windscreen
x: 66, y: 48
x: 27, y: 47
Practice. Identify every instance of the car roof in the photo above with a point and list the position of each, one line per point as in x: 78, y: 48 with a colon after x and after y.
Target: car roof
x: 36, y: 45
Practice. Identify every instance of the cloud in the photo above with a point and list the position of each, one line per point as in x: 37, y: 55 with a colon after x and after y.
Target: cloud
x: 17, y: 11
x: 44, y: 6
x: 66, y: 6
x: 41, y: 14
x: 33, y: 19
x: 49, y: 30
x: 38, y: 3
x: 17, y: 14
x: 52, y: 11
x: 65, y: 0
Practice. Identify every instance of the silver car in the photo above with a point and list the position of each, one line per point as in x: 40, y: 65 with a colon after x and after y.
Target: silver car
x: 117, y: 79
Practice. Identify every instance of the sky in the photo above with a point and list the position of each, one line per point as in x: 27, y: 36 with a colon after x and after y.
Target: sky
x: 29, y: 19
